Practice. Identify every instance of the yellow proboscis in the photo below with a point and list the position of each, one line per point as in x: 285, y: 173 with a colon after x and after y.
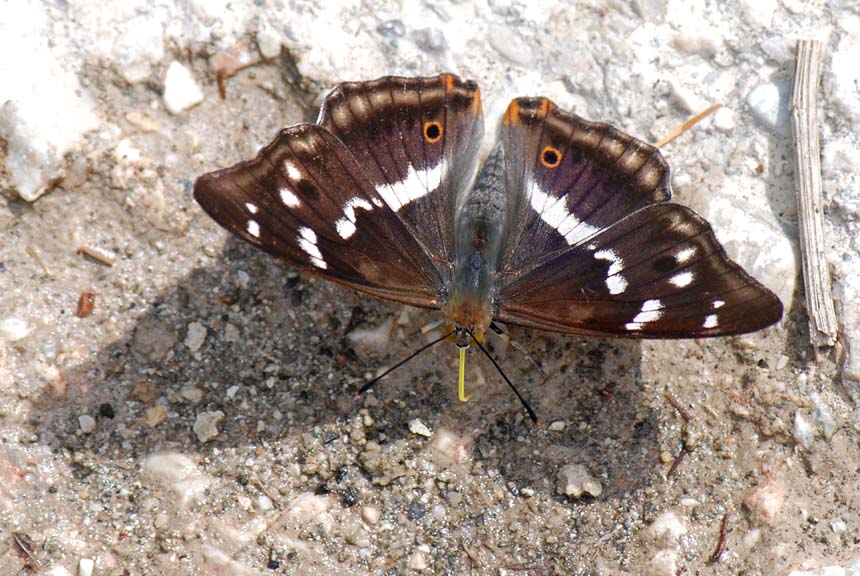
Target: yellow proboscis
x: 461, y: 377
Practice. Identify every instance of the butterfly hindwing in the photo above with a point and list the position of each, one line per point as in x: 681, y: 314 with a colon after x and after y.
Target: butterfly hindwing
x: 658, y: 273
x: 305, y: 198
x: 567, y: 178
x: 416, y: 140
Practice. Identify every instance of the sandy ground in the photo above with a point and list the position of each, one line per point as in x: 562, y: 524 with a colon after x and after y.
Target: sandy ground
x: 108, y: 451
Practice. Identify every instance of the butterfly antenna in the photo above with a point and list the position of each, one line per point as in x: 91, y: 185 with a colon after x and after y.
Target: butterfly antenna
x: 525, y: 404
x: 373, y: 382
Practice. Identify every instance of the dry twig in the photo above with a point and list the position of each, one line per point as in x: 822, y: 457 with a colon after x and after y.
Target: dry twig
x: 810, y: 204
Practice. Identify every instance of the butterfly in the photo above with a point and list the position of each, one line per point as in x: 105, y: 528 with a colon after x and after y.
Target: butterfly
x: 566, y: 226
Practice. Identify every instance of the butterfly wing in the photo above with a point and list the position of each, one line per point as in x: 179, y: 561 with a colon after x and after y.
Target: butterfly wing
x: 600, y: 252
x: 363, y: 197
x: 568, y: 178
x: 417, y: 141
x: 305, y: 199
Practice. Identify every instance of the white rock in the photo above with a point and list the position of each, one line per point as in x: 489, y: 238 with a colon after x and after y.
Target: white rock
x: 417, y: 561
x: 196, y: 336
x: 557, y: 426
x: 307, y: 507
x: 664, y: 563
x: 191, y: 393
x: 45, y: 112
x: 804, y: 433
x: 371, y: 515
x: 418, y: 427
x: 769, y: 105
x: 86, y: 567
x: 206, y: 425
x: 14, y: 329
x: 178, y: 473
x: 574, y: 480
x: 844, y: 77
x: 724, y: 119
x: 374, y: 339
x: 264, y: 503
x: 450, y: 448
x: 765, y: 502
x: 181, y: 91
x: 667, y: 524
x: 823, y: 417
x: 269, y: 43
x: 87, y: 423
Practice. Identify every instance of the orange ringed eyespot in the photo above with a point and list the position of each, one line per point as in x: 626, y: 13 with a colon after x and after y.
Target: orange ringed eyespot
x: 550, y: 157
x: 432, y: 131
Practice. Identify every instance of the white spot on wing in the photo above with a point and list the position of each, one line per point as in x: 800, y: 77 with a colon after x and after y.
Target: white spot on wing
x: 553, y: 211
x: 399, y: 194
x: 710, y: 321
x: 308, y: 243
x: 615, y: 282
x: 346, y: 226
x: 251, y: 208
x: 253, y: 229
x: 718, y: 304
x: 685, y: 254
x: 682, y: 279
x: 289, y: 198
x: 651, y: 311
x: 293, y: 173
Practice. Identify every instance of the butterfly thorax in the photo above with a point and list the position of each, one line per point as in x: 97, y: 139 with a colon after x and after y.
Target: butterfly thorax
x: 478, y: 236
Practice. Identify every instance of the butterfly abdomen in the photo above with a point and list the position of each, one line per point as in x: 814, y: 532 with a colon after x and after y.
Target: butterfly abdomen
x: 478, y: 234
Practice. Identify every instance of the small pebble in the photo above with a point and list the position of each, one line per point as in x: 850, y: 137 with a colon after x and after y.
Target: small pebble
x: 144, y: 392
x: 373, y: 339
x: 418, y: 561
x: 724, y: 119
x: 181, y: 91
x: 769, y: 105
x: 667, y: 524
x: 665, y: 563
x: 804, y: 433
x: 14, y: 329
x: 86, y: 566
x: 178, y: 472
x: 231, y: 333
x: 574, y: 481
x: 191, y: 393
x: 418, y: 427
x: 87, y: 423
x: 264, y: 503
x: 557, y: 426
x: 269, y: 43
x: 766, y: 501
x: 154, y: 416
x: 196, y: 336
x: 370, y: 515
x: 206, y: 425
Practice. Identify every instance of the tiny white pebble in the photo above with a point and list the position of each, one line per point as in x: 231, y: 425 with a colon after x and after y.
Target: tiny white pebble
x: 206, y: 425
x: 370, y: 515
x: 804, y: 433
x: 181, y: 91
x: 557, y: 426
x: 87, y: 423
x: 14, y: 329
x: 724, y: 119
x: 86, y: 567
x: 196, y: 336
x: 418, y: 427
x: 264, y: 503
x: 574, y: 480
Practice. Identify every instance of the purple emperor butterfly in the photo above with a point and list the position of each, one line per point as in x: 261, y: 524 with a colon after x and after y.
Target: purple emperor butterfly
x: 566, y: 227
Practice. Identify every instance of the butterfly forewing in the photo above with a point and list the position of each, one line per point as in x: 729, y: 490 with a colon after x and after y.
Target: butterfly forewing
x: 306, y: 199
x: 416, y: 140
x: 659, y: 273
x: 568, y: 178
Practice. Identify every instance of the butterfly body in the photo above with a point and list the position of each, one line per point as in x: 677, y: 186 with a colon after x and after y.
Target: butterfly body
x: 568, y: 226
